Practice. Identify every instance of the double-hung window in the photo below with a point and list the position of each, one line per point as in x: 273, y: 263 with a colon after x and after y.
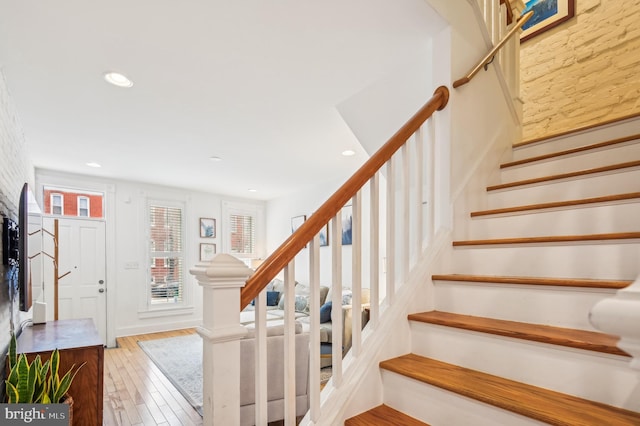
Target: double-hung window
x: 166, y: 224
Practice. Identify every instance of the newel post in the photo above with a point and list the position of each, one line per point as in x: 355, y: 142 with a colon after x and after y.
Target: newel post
x: 620, y: 316
x: 221, y: 331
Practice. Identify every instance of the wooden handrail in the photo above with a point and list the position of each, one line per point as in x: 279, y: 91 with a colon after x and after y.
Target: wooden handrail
x: 311, y: 227
x: 489, y: 56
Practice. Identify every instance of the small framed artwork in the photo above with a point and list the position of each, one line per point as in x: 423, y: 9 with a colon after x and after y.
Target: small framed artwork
x: 297, y: 221
x: 324, y: 236
x: 207, y: 251
x: 207, y: 227
x: 546, y: 15
x: 347, y: 221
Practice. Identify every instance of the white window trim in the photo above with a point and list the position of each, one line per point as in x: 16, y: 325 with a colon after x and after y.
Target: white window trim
x: 147, y: 309
x: 255, y: 210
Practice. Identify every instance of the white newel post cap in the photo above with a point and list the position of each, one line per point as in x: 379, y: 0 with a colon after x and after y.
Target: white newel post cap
x: 222, y: 271
x: 620, y: 316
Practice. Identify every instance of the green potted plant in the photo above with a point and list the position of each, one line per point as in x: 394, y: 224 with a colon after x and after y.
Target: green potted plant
x: 37, y: 382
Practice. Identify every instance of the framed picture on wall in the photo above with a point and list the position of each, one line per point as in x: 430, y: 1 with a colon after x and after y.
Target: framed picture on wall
x: 347, y: 221
x: 297, y: 221
x: 324, y: 236
x: 546, y: 15
x: 207, y: 251
x: 207, y: 227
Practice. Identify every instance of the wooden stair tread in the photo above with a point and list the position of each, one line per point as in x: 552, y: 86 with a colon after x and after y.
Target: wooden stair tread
x: 539, y: 281
x: 538, y: 403
x: 610, y: 168
x: 570, y: 151
x: 579, y: 339
x: 550, y: 239
x: 557, y: 204
x: 383, y: 415
x: 575, y: 130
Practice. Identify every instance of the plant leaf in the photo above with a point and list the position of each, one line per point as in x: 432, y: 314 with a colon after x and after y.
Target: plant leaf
x: 65, y: 383
x: 12, y: 393
x: 12, y: 351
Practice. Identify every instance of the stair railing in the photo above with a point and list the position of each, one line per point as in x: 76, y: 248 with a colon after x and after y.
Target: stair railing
x: 394, y: 192
x: 490, y: 57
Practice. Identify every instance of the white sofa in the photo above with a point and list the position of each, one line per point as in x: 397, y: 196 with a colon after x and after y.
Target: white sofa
x: 276, y: 313
x: 275, y: 373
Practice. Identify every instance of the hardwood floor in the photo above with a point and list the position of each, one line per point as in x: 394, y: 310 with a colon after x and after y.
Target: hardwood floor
x: 137, y: 393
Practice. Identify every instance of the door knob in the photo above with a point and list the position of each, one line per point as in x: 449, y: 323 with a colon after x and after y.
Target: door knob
x: 101, y: 290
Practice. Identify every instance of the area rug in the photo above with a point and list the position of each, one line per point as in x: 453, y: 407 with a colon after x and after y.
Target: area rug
x: 180, y: 360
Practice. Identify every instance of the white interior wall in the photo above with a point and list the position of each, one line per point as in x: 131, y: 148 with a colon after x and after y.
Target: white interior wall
x: 127, y: 257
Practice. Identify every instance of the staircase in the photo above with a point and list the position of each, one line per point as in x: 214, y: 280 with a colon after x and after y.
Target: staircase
x: 509, y: 341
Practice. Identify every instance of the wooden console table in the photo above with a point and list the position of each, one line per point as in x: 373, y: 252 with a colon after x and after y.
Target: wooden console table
x: 78, y: 341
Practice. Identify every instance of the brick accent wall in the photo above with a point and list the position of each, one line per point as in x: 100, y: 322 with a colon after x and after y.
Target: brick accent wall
x: 15, y: 170
x: 584, y: 71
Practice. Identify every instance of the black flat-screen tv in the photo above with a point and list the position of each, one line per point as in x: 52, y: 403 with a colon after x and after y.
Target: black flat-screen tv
x: 24, y: 283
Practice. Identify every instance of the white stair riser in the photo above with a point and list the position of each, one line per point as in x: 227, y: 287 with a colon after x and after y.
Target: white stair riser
x: 583, y: 161
x: 598, y: 377
x: 439, y: 407
x: 557, y: 306
x: 584, y: 219
x: 600, y: 260
x: 567, y: 189
x: 562, y: 143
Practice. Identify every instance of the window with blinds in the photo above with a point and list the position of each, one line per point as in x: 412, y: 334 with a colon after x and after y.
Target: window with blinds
x: 166, y: 269
x: 242, y: 233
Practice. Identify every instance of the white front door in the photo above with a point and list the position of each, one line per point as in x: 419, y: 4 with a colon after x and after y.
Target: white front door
x: 81, y: 252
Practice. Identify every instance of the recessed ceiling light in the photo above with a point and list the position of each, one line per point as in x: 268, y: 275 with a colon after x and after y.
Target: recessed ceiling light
x: 93, y: 164
x: 252, y: 190
x: 214, y: 158
x: 118, y: 79
x: 348, y: 153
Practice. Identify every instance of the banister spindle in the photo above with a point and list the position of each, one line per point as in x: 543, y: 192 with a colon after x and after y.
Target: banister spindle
x: 356, y: 273
x: 406, y: 213
x: 289, y: 345
x: 336, y: 300
x: 314, y: 332
x: 374, y: 287
x: 391, y: 231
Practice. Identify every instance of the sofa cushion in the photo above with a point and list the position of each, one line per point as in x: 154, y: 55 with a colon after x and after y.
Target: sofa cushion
x: 272, y: 298
x: 325, y: 312
x: 274, y: 328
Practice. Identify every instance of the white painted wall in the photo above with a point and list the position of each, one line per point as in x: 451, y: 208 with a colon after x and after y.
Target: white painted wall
x: 126, y: 246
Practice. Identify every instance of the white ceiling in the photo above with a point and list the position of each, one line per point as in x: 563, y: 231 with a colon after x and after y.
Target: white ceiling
x: 254, y: 82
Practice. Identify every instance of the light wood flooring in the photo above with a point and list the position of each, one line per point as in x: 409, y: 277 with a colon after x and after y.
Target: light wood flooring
x: 135, y: 390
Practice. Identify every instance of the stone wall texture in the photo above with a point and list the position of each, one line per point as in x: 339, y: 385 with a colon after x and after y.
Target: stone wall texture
x: 584, y: 71
x: 15, y: 170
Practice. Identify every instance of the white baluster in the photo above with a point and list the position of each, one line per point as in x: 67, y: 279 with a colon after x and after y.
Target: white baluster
x: 289, y: 345
x: 391, y: 231
x: 261, y: 358
x: 336, y: 300
x: 356, y: 271
x: 406, y: 213
x: 314, y: 331
x: 374, y: 188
